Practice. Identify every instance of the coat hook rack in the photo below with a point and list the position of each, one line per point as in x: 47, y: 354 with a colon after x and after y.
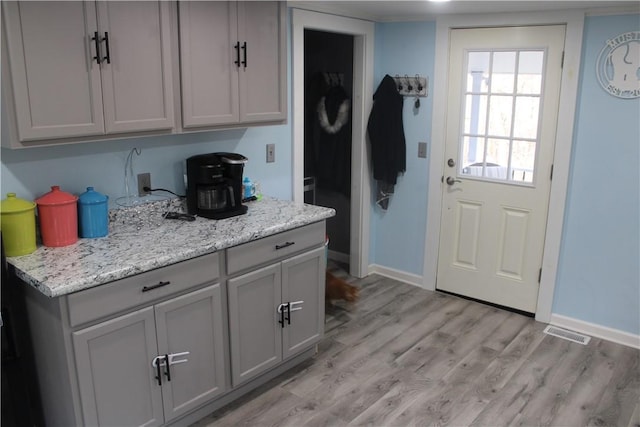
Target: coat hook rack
x: 333, y: 79
x: 412, y: 86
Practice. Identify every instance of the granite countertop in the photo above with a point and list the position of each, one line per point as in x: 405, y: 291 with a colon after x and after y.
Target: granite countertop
x: 140, y: 240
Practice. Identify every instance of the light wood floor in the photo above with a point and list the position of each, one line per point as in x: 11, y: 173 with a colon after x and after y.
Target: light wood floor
x: 405, y: 356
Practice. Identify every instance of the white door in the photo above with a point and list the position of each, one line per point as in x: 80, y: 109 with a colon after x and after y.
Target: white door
x: 500, y: 136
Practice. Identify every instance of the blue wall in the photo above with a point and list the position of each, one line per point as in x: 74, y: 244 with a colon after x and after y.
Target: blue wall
x: 398, y: 233
x: 31, y: 172
x: 598, y: 275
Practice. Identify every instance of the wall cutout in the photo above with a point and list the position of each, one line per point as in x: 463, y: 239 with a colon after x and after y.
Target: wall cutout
x: 618, y: 66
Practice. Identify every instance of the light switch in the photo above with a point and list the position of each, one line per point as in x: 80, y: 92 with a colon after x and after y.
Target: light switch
x: 422, y: 150
x: 271, y: 153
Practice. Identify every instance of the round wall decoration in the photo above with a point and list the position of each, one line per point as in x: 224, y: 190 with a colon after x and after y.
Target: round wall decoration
x: 618, y: 65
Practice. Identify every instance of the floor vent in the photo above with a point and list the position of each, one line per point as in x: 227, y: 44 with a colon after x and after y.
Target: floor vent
x: 567, y: 335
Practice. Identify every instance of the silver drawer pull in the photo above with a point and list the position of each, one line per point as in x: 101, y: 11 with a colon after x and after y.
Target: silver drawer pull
x: 159, y: 285
x: 284, y: 245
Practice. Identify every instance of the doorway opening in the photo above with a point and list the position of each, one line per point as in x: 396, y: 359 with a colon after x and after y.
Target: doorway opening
x: 328, y: 91
x: 361, y: 34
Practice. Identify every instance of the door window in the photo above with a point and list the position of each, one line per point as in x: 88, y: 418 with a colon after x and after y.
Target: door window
x: 501, y: 105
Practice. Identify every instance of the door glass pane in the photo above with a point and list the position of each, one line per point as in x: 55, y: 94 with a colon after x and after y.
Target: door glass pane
x: 500, y: 111
x: 501, y: 115
x: 497, y: 158
x: 472, y: 153
x: 478, y: 72
x: 530, y: 72
x: 522, y: 160
x: 475, y: 116
x: 525, y: 123
x: 503, y: 72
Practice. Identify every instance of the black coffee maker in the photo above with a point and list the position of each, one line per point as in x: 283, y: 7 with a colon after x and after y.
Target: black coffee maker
x: 214, y: 185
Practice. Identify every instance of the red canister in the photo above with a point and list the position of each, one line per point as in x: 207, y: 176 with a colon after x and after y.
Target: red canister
x: 58, y: 217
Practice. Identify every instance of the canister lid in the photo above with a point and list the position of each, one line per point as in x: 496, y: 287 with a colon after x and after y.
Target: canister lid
x: 92, y: 197
x: 12, y: 204
x: 56, y: 197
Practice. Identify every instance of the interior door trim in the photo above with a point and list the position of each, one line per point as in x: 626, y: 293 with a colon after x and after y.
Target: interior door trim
x: 574, y: 21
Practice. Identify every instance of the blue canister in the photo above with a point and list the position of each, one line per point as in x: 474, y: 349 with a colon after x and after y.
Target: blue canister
x: 93, y: 214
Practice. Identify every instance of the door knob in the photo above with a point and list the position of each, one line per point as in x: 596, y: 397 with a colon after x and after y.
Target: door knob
x: 451, y: 180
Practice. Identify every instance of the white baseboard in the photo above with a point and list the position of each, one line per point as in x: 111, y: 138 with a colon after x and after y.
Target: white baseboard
x: 409, y: 278
x: 338, y: 256
x: 594, y: 330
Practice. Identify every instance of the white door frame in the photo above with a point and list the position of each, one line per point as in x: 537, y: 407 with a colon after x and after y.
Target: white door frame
x: 574, y: 21
x: 363, y: 32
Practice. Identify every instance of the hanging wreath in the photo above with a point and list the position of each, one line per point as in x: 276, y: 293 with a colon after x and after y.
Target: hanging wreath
x: 341, y: 119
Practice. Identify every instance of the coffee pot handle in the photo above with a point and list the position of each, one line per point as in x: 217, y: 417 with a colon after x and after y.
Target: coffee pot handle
x: 232, y: 199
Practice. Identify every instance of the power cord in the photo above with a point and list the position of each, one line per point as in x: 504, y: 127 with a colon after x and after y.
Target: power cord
x: 150, y: 190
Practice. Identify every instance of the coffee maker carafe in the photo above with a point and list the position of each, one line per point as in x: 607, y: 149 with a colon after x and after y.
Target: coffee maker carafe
x: 214, y: 185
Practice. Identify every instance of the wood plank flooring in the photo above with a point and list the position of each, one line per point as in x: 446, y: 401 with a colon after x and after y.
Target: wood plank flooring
x: 403, y: 356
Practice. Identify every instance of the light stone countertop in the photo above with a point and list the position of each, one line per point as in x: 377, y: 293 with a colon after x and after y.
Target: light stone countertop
x: 140, y: 240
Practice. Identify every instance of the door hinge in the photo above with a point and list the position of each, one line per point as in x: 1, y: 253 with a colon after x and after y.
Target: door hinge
x: 540, y: 275
x: 562, y: 60
x: 551, y: 174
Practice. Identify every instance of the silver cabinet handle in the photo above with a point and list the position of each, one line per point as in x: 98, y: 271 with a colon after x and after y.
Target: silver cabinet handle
x: 161, y: 360
x: 292, y: 305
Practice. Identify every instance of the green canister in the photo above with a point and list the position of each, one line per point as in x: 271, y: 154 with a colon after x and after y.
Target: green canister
x: 18, y: 225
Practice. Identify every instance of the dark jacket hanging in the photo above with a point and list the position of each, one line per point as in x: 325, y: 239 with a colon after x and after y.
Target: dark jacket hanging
x: 386, y: 135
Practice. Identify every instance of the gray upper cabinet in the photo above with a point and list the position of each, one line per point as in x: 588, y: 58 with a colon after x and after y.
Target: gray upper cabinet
x: 136, y: 76
x: 232, y: 62
x: 50, y: 63
x: 88, y: 68
x: 154, y: 364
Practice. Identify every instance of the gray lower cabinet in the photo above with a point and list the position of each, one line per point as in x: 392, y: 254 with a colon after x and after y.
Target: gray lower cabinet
x: 155, y: 364
x: 275, y: 312
x: 173, y: 344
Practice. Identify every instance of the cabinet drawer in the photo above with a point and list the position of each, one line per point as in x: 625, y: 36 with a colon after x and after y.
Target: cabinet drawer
x: 140, y: 289
x: 275, y: 247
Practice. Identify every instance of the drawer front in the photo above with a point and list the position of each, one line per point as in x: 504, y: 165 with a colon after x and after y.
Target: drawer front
x: 141, y: 289
x: 275, y: 247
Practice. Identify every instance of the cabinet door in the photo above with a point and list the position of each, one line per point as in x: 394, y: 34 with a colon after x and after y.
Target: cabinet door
x: 256, y: 337
x: 263, y: 79
x: 209, y: 76
x: 303, y: 279
x: 137, y: 86
x: 192, y: 323
x: 115, y: 376
x: 56, y: 83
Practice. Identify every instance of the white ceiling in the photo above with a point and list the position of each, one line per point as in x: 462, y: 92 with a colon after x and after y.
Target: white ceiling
x: 417, y: 10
